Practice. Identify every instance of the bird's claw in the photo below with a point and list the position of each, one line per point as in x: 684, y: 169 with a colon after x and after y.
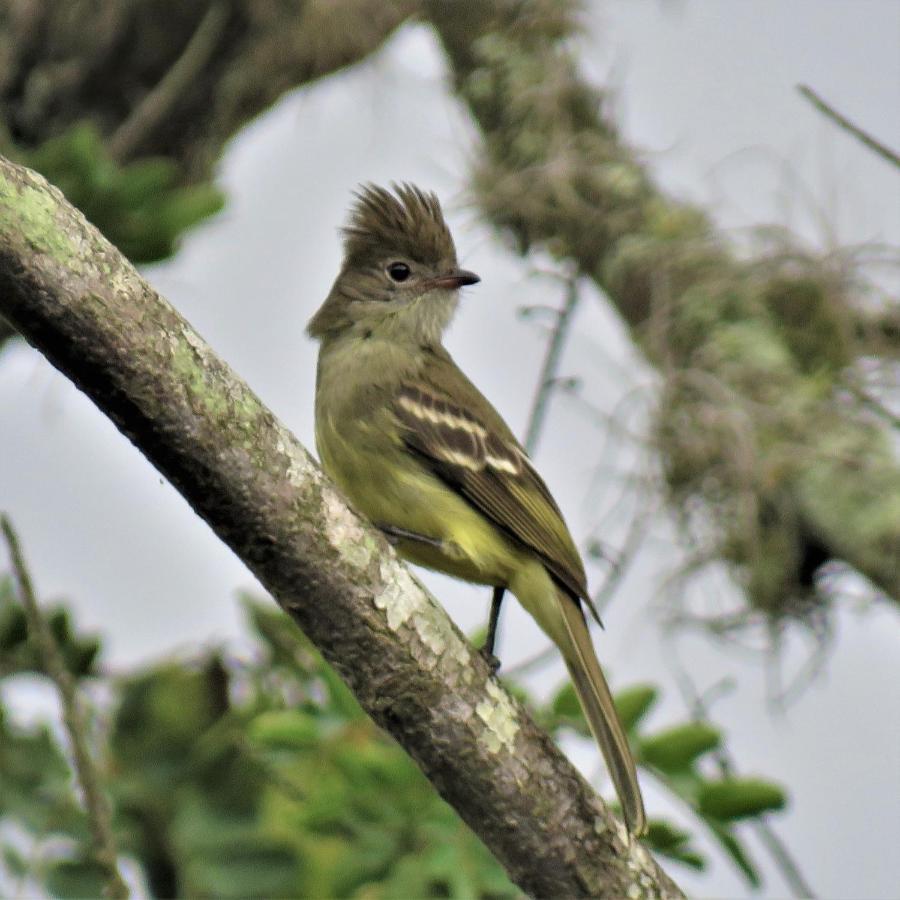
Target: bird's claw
x: 492, y: 661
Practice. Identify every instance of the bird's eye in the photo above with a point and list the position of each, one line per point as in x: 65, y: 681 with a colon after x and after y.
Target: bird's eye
x: 398, y: 271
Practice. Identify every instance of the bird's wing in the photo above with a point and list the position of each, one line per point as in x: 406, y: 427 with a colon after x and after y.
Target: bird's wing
x: 477, y: 456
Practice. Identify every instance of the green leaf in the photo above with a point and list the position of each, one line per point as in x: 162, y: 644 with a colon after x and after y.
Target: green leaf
x: 143, y: 181
x: 18, y: 652
x: 734, y: 849
x: 289, y: 729
x: 35, y: 782
x: 567, y: 710
x: 676, y: 749
x: 75, y: 878
x: 14, y: 862
x: 668, y: 840
x: 565, y: 703
x: 663, y: 835
x: 634, y: 703
x: 740, y: 798
x: 143, y: 208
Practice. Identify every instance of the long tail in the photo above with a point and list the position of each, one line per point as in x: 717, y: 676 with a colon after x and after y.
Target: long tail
x: 600, y: 711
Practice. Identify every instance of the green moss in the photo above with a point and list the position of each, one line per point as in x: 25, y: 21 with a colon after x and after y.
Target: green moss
x: 27, y: 209
x: 809, y: 323
x: 189, y: 365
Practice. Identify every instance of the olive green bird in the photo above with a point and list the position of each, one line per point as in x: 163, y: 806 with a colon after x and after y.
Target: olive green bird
x: 419, y: 451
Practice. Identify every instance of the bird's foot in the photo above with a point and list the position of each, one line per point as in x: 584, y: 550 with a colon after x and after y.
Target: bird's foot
x: 492, y: 661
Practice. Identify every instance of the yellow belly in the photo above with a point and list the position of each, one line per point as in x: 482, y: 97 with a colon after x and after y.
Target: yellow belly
x: 389, y: 487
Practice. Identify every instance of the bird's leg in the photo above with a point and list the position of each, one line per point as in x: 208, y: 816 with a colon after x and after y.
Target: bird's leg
x: 487, y: 651
x: 395, y: 535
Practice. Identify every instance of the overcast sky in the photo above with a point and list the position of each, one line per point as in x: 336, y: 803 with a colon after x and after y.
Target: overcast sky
x: 706, y: 89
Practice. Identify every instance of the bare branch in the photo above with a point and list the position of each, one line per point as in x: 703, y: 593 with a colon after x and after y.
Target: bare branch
x: 74, y: 717
x: 778, y: 850
x: 846, y: 125
x: 72, y: 295
x: 547, y: 379
x: 145, y: 117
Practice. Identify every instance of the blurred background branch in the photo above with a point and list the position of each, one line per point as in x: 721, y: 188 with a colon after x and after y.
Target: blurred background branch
x: 845, y: 124
x: 766, y: 465
x: 74, y: 717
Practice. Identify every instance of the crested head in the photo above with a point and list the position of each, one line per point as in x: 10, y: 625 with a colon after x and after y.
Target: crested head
x: 407, y: 223
x: 400, y: 278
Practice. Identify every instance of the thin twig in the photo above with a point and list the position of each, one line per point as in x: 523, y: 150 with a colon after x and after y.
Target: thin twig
x: 152, y: 109
x: 74, y: 718
x: 785, y: 863
x: 874, y: 404
x: 846, y: 125
x: 548, y: 377
x: 601, y: 598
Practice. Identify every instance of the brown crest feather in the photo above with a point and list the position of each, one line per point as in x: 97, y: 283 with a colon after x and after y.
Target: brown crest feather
x: 409, y: 221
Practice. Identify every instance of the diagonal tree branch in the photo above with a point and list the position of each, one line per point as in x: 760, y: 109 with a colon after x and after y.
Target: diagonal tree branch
x: 73, y: 296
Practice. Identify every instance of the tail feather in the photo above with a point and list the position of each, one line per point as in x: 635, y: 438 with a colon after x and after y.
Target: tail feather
x: 600, y: 711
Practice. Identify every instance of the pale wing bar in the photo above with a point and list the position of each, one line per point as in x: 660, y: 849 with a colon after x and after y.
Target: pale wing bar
x: 494, y: 475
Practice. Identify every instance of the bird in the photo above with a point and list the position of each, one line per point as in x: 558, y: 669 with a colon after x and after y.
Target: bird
x: 420, y: 452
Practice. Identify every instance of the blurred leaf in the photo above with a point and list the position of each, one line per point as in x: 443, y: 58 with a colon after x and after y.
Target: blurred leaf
x: 142, y: 207
x: 18, y: 653
x: 75, y: 878
x: 286, y: 729
x: 634, y: 703
x: 13, y: 627
x: 740, y: 798
x: 668, y: 840
x: 14, y: 862
x: 285, y: 645
x: 676, y: 749
x: 733, y: 848
x: 227, y: 856
x: 566, y: 710
x: 35, y: 782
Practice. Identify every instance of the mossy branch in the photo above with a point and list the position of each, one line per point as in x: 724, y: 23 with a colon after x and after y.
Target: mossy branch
x: 767, y: 464
x: 72, y: 295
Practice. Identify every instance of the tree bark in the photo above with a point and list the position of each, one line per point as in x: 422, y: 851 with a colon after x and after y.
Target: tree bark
x: 74, y: 297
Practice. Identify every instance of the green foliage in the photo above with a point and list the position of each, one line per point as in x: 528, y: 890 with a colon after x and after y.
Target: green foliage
x: 18, y: 653
x: 35, y: 783
x: 259, y: 775
x: 676, y: 749
x: 241, y: 779
x: 142, y: 207
x: 75, y: 877
x: 634, y: 703
x: 740, y: 798
x: 674, y: 756
x: 675, y: 843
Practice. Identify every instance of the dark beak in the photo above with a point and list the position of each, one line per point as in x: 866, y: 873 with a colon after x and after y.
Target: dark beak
x: 454, y: 280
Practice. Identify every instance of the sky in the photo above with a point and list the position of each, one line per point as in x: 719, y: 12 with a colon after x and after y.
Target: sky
x: 706, y: 90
